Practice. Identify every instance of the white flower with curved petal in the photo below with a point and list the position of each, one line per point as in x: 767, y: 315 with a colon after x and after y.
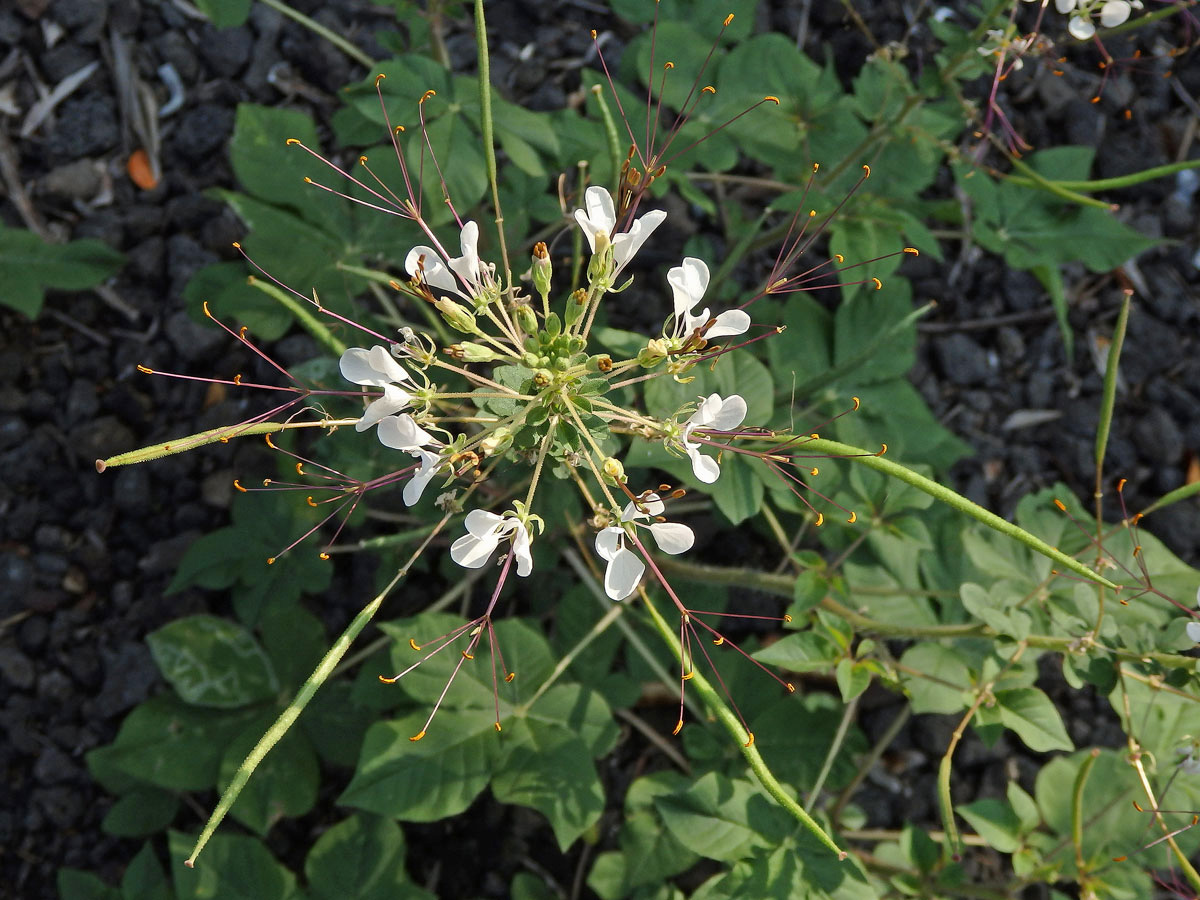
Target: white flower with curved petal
x: 688, y: 284
x: 485, y: 530
x: 420, y: 479
x: 476, y: 275
x: 1193, y: 628
x: 714, y: 414
x: 1114, y: 12
x: 403, y: 433
x: 376, y: 368
x: 1064, y: 6
x: 599, y: 215
x: 625, y: 567
x: 434, y: 272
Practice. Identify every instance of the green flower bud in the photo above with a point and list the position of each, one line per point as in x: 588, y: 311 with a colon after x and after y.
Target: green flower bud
x: 496, y: 442
x: 525, y: 318
x: 653, y: 353
x: 576, y: 304
x: 601, y: 362
x: 614, y: 470
x: 471, y: 352
x: 456, y: 317
x: 542, y: 270
x: 542, y: 377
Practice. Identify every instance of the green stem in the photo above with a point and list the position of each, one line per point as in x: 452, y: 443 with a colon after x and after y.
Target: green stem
x: 733, y: 725
x: 317, y: 28
x: 1109, y: 396
x: 1034, y: 179
x: 1081, y: 778
x: 307, y: 320
x: 487, y: 130
x: 611, y: 138
x: 1110, y: 184
x: 831, y: 755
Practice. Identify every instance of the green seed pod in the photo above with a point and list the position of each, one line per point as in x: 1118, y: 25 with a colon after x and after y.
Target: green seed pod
x: 456, y: 317
x: 476, y: 353
x: 542, y: 270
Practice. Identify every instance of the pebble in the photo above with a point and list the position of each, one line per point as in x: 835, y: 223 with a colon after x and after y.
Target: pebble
x: 65, y: 58
x: 191, y: 340
x: 184, y: 258
x: 201, y: 131
x: 961, y: 359
x: 54, y: 767
x: 16, y: 668
x: 227, y: 50
x: 84, y: 126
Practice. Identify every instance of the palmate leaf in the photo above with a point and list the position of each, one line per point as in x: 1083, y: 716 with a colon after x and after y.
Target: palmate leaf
x: 235, y: 868
x: 360, y: 858
x: 213, y: 662
x: 28, y: 266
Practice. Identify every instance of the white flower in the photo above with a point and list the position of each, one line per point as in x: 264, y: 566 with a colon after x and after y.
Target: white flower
x: 717, y: 415
x: 426, y: 261
x: 1064, y: 6
x: 688, y: 283
x: 376, y: 368
x: 625, y: 567
x: 1114, y: 12
x: 1193, y: 628
x: 601, y: 216
x: 485, y: 530
x: 403, y: 433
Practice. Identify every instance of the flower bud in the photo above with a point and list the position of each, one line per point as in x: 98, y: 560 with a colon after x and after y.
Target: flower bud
x: 542, y: 270
x: 576, y: 304
x: 601, y: 362
x: 475, y: 353
x: 525, y: 317
x: 614, y: 470
x: 542, y: 377
x: 456, y: 317
x: 653, y: 353
x: 496, y: 442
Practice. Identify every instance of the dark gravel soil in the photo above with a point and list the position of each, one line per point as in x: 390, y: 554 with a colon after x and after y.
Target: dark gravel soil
x: 84, y: 558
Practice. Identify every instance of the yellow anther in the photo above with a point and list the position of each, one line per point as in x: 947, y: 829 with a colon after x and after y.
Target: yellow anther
x: 362, y: 160
x: 708, y: 89
x: 414, y: 644
x: 814, y: 471
x: 292, y: 142
x: 841, y: 259
x: 379, y: 78
x: 1061, y: 506
x: 878, y: 284
x: 243, y: 331
x: 497, y: 726
x: 323, y: 555
x: 299, y: 468
x: 678, y: 727
x: 812, y: 213
x: 593, y: 34
x: 266, y: 482
x: 267, y: 438
x: 815, y: 436
x: 728, y: 19
x: 866, y: 171
x: 389, y: 680
x: 399, y: 129
x: 509, y: 677
x: 237, y: 379
x: 786, y: 618
x: 815, y: 167
x: 688, y: 676
x: 429, y: 93
x: 718, y: 641
x: 820, y: 519
x: 791, y: 687
x: 853, y: 517
x: 749, y: 739
x: 311, y: 502
x: 308, y: 180
x: 772, y: 98
x: 467, y: 655
x: 882, y: 449
x: 913, y: 250
x: 270, y: 560
x: 416, y: 737
x: 668, y: 65
x: 144, y: 370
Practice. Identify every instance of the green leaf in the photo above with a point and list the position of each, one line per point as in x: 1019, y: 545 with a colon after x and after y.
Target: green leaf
x: 852, y: 678
x: 947, y: 678
x: 360, y: 858
x: 794, y: 735
x: 234, y: 867
x: 235, y: 302
x: 738, y: 492
x: 145, y: 879
x: 550, y: 769
x: 141, y: 812
x: 284, y: 784
x: 737, y: 373
x: 711, y: 819
x: 581, y: 711
x: 651, y: 853
x: 805, y: 651
x: 225, y: 13
x: 995, y: 821
x: 213, y: 662
x: 28, y: 266
x: 335, y: 721
x: 1031, y: 714
x: 266, y: 165
x: 426, y: 780
x: 74, y: 884
x: 168, y: 743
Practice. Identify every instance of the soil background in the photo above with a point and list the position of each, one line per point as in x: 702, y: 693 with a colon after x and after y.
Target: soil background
x: 84, y: 558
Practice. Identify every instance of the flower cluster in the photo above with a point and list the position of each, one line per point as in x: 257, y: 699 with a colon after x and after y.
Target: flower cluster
x: 1110, y: 14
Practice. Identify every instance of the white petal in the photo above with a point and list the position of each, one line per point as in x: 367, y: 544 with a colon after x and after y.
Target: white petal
x: 436, y: 274
x: 688, y: 283
x: 520, y: 547
x: 466, y: 266
x: 600, y: 209
x: 395, y: 399
x: 704, y: 468
x: 1198, y: 598
x: 609, y: 540
x: 1080, y: 28
x: 402, y: 433
x: 420, y: 479
x: 623, y: 574
x: 356, y: 367
x: 1064, y: 6
x: 1113, y: 13
x: 472, y: 552
x: 672, y: 537
x: 730, y: 322
x: 482, y: 524
x: 651, y: 505
x: 589, y: 230
x: 384, y: 363
x: 627, y: 244
x: 1193, y: 631
x: 706, y: 411
x: 730, y: 414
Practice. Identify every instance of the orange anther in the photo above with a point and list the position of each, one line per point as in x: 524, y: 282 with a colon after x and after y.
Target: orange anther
x: 841, y: 259
x: 386, y: 680
x: 323, y: 555
x: 270, y: 560
x: 144, y: 370
x: 267, y: 438
x: 308, y: 180
x: 728, y: 19
x: 787, y: 618
x: 678, y: 727
x: 1121, y: 484
x: 399, y: 129
x: 814, y: 471
x: 820, y: 519
x: 772, y: 98
x: 237, y: 379
x: 362, y: 160
x: 1062, y: 507
x: 593, y: 34
x: 299, y: 468
x: 243, y: 331
x: 912, y: 250
x: 237, y: 486
x: 853, y: 517
x: 815, y: 167
x: 1137, y: 806
x: 509, y: 677
x: 878, y: 284
x: 688, y: 676
x: 429, y: 93
x: 882, y: 449
x: 311, y: 502
x: 414, y: 644
x: 857, y: 403
x: 749, y: 739
x: 467, y: 655
x: 379, y: 78
x: 812, y: 213
x: 866, y: 170
x: 497, y: 726
x: 668, y: 65
x: 416, y: 737
x: 791, y: 687
x: 815, y: 436
x: 718, y: 641
x: 708, y: 89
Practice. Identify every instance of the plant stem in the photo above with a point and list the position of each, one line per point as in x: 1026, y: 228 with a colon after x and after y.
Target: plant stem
x: 1111, y: 184
x: 1081, y: 778
x: 488, y: 133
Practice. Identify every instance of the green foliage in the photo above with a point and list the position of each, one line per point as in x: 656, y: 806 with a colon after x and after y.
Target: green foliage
x: 29, y: 266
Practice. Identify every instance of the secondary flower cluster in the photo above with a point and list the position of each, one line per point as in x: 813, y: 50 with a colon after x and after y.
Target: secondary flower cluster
x: 1110, y: 14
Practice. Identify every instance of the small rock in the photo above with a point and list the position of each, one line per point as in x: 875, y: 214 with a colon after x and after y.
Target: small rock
x: 184, y: 258
x: 102, y: 437
x: 65, y: 59
x: 77, y: 13
x: 226, y: 50
x: 54, y: 767
x: 163, y: 556
x: 82, y: 402
x: 1158, y: 437
x: 79, y: 180
x: 961, y: 359
x: 131, y: 493
x: 202, y: 131
x: 62, y: 805
x: 192, y: 340
x: 129, y: 676
x: 16, y: 668
x: 13, y: 431
x: 85, y: 126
